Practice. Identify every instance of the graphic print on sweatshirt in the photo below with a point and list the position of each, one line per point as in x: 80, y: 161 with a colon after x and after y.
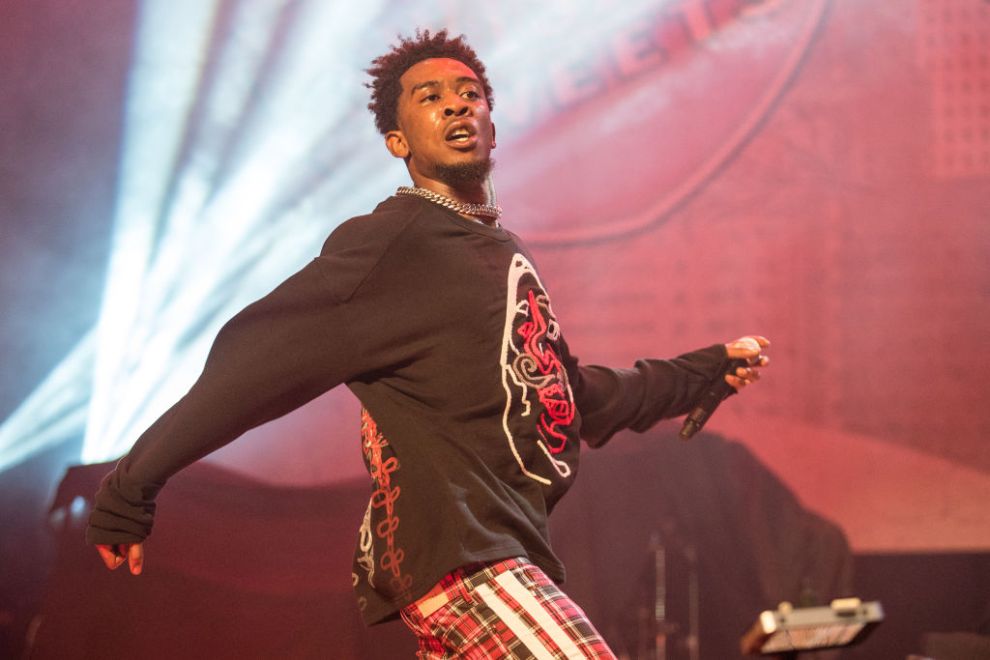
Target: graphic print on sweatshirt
x: 381, y: 518
x: 539, y: 404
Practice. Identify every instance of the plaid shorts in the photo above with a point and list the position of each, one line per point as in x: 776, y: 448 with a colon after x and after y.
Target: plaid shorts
x: 505, y: 609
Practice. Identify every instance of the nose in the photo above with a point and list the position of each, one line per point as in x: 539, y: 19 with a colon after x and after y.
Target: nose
x: 456, y: 106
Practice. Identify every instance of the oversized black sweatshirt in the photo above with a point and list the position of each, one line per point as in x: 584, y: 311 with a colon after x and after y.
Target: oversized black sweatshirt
x: 473, y: 405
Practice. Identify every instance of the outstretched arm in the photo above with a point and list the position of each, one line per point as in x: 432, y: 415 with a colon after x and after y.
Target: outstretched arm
x: 271, y: 358
x: 316, y: 330
x: 611, y: 400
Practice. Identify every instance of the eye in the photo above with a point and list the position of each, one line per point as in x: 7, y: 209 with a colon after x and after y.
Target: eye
x: 471, y: 94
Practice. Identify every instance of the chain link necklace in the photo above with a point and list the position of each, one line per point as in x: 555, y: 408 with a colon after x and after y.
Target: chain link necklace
x: 481, y: 210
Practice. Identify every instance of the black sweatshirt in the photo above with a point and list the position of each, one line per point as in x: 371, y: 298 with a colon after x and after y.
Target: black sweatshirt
x: 472, y: 403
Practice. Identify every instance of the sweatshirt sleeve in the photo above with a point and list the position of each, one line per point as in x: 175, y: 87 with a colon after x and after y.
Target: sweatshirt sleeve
x: 307, y: 336
x: 611, y: 400
x: 272, y: 357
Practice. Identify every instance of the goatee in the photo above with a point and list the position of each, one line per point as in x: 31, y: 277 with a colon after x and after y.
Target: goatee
x: 465, y: 174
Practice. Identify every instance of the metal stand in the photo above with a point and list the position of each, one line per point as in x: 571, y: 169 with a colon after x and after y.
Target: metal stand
x: 670, y: 639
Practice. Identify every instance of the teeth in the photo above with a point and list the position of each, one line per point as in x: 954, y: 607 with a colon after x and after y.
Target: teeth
x: 459, y: 134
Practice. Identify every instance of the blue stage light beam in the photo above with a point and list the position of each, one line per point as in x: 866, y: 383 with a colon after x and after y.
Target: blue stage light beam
x: 55, y: 412
x: 162, y: 80
x: 223, y: 193
x: 268, y: 93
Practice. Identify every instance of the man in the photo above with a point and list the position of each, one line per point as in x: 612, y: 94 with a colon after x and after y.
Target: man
x: 435, y: 316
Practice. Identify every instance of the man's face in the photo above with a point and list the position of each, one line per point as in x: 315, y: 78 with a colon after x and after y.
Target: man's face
x: 445, y: 129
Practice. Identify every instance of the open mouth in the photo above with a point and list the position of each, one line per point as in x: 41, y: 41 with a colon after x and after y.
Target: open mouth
x: 460, y: 135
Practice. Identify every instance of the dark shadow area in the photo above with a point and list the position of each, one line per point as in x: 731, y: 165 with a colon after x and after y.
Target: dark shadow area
x: 27, y: 543
x: 241, y: 569
x: 926, y: 597
x: 248, y: 570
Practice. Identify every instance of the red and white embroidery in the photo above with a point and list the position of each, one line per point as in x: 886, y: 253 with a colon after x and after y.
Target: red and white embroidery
x: 384, y: 499
x: 537, y: 390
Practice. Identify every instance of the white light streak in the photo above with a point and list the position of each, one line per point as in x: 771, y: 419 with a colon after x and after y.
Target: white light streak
x: 272, y: 91
x: 54, y: 412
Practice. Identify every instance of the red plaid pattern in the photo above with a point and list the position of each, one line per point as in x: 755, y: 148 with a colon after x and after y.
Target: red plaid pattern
x: 507, y: 609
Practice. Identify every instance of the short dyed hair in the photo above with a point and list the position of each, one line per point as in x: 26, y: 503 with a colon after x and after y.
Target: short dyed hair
x: 386, y: 70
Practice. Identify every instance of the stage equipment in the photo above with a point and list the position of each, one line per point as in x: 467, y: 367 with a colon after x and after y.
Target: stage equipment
x: 788, y: 630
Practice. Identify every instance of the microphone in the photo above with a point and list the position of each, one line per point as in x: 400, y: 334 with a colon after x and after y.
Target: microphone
x: 716, y: 391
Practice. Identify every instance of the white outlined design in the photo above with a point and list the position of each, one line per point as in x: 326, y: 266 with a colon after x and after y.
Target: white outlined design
x: 366, y: 551
x: 532, y: 372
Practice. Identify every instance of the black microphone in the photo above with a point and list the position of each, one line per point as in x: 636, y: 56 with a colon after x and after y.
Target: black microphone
x: 716, y: 391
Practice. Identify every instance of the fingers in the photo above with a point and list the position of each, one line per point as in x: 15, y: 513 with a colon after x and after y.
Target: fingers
x: 744, y: 376
x: 747, y: 374
x: 737, y: 382
x: 115, y: 556
x: 109, y: 557
x: 748, y: 348
x: 135, y: 558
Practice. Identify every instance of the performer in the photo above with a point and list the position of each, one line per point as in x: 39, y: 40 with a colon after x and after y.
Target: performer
x: 435, y: 316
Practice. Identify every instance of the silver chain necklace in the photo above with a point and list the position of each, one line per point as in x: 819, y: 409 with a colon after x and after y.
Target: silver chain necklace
x: 481, y: 210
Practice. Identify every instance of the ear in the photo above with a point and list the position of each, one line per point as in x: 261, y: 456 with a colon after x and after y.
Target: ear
x: 493, y: 135
x: 396, y: 144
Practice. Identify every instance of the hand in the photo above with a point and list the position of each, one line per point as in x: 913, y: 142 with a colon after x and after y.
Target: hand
x: 749, y: 348
x: 114, y: 556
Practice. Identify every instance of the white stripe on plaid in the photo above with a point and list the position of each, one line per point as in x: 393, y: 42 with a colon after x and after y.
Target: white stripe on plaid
x: 531, y: 606
x: 512, y: 621
x: 488, y: 616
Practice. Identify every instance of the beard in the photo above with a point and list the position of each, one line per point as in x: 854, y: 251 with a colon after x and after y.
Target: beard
x: 465, y: 174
